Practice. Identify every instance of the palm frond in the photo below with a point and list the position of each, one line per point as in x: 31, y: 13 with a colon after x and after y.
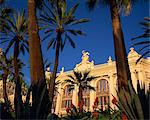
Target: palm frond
x: 10, y: 45
x: 90, y: 87
x: 144, y: 43
x: 70, y: 41
x: 50, y: 43
x: 72, y: 10
x: 82, y: 20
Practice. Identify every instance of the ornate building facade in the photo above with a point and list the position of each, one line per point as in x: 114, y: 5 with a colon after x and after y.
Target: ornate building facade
x: 105, y: 85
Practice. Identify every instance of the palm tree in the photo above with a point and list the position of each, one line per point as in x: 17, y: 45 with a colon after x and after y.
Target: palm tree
x: 82, y: 80
x: 57, y: 20
x: 145, y: 44
x: 16, y: 37
x: 38, y: 81
x: 123, y: 72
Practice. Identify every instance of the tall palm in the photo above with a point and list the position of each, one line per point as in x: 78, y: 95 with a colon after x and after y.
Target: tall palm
x: 37, y: 74
x: 57, y: 22
x: 16, y: 37
x: 123, y: 72
x: 82, y: 80
x: 145, y: 43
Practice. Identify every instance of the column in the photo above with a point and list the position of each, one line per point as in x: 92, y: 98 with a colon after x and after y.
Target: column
x: 112, y: 89
x: 75, y: 96
x: 92, y: 96
x: 59, y: 100
x: 141, y: 78
x: 134, y: 80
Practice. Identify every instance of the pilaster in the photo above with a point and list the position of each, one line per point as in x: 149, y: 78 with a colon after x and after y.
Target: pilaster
x: 134, y: 80
x: 59, y: 100
x: 75, y: 96
x: 112, y: 89
x: 141, y: 78
x: 92, y: 96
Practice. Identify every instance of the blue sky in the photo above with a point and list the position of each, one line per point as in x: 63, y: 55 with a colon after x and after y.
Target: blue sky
x: 99, y: 39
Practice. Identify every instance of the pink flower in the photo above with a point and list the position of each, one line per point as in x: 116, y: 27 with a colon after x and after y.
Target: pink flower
x: 67, y: 109
x: 95, y: 115
x: 114, y: 101
x: 124, y: 116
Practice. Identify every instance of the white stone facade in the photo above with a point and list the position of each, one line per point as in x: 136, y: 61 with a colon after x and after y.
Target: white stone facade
x: 105, y: 85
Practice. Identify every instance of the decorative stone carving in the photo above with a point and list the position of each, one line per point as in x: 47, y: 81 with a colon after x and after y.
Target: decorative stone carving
x: 109, y: 60
x: 62, y: 71
x: 133, y: 55
x: 85, y: 56
x: 85, y: 64
x: 48, y: 73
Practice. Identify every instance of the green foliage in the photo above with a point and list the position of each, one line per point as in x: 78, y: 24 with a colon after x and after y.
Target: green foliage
x: 16, y: 30
x: 134, y: 104
x: 81, y: 80
x: 58, y: 20
x: 74, y: 113
x: 124, y: 6
x: 144, y: 42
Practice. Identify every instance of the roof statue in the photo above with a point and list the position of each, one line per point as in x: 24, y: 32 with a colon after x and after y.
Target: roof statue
x: 62, y: 71
x: 85, y: 64
x: 109, y: 60
x: 85, y: 56
x: 48, y: 73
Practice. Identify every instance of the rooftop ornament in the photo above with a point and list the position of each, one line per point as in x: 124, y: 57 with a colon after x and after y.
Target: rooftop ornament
x: 85, y: 64
x: 109, y: 60
x: 133, y: 55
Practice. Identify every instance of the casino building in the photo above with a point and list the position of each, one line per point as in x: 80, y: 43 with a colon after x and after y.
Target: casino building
x: 105, y: 85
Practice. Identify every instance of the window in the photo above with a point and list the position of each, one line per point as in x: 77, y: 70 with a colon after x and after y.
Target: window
x: 102, y: 92
x: 102, y: 86
x: 67, y: 98
x: 66, y: 103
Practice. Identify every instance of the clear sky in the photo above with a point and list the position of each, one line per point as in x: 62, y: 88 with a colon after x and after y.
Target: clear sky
x: 99, y: 39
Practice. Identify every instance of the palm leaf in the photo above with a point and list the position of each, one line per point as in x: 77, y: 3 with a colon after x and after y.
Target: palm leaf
x: 83, y: 20
x: 50, y: 43
x: 70, y: 41
x: 141, y: 43
x: 72, y: 10
x: 10, y: 45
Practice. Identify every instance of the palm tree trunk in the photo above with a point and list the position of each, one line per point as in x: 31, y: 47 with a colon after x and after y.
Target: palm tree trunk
x: 52, y: 82
x: 123, y: 72
x: 80, y: 99
x: 5, y: 75
x: 37, y: 74
x: 18, y: 96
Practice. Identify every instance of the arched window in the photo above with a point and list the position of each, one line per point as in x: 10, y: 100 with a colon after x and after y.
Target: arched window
x: 67, y: 97
x: 102, y: 92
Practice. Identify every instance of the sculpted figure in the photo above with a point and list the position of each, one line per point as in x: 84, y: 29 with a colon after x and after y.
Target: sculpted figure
x: 62, y: 71
x: 85, y: 56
